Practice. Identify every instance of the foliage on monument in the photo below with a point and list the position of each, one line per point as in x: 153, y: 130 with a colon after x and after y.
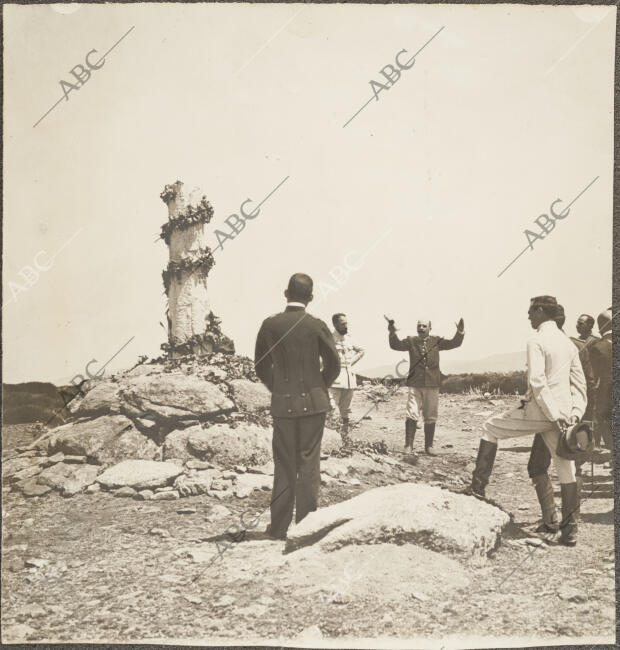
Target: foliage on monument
x: 204, y: 261
x: 212, y: 339
x: 193, y: 215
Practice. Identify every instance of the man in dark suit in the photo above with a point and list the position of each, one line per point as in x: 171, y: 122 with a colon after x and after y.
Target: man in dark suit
x: 296, y: 358
x: 424, y: 377
x: 601, y: 358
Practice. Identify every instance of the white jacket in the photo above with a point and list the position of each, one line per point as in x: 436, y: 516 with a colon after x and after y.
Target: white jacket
x: 554, y: 374
x: 349, y: 354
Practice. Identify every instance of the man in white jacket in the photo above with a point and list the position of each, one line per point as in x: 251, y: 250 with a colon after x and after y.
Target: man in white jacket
x: 556, y: 399
x: 341, y: 391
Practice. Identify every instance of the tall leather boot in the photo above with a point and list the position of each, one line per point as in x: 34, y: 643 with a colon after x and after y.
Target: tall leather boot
x: 410, y: 429
x: 544, y: 492
x: 484, y: 467
x: 570, y: 513
x: 344, y: 430
x: 429, y: 436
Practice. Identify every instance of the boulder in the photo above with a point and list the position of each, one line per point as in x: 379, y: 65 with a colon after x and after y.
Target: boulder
x: 254, y: 482
x: 88, y: 438
x: 175, y: 396
x: 31, y: 488
x: 175, y: 446
x: 247, y: 444
x: 139, y: 474
x: 69, y: 479
x: 196, y: 483
x: 14, y: 466
x: 431, y: 517
x: 130, y: 444
x: 103, y: 399
x: 250, y: 396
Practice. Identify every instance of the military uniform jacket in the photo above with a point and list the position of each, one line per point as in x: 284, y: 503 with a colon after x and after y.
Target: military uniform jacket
x: 296, y: 358
x: 424, y: 357
x: 601, y: 358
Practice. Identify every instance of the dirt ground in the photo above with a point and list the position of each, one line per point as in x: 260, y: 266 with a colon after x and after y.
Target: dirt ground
x: 92, y: 569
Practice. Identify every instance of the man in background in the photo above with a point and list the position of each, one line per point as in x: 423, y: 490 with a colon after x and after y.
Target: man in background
x: 555, y: 399
x: 343, y: 388
x: 424, y: 377
x: 584, y: 341
x: 290, y: 348
x: 601, y: 360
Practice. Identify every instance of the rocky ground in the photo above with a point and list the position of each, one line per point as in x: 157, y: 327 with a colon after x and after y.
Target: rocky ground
x: 95, y: 567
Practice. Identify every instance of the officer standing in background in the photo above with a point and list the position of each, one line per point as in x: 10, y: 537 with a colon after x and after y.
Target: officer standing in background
x: 342, y: 390
x: 601, y: 358
x: 424, y: 377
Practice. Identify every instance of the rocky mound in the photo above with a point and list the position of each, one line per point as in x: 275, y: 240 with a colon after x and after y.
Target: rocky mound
x: 430, y: 517
x: 185, y: 426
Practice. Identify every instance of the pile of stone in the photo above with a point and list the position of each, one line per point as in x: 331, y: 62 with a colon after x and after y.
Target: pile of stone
x: 162, y: 430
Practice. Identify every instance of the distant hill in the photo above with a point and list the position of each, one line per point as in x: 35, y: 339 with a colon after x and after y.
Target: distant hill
x: 34, y: 401
x: 506, y: 362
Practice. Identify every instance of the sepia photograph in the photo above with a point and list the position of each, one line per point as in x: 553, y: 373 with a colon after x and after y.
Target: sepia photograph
x: 307, y: 320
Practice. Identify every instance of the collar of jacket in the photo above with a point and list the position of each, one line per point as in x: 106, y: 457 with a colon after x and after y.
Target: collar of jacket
x: 295, y: 306
x: 547, y: 324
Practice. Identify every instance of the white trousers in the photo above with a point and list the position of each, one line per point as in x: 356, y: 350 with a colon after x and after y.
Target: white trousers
x: 515, y: 423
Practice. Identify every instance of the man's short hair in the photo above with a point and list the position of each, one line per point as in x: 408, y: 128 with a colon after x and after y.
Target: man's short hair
x: 560, y: 316
x: 548, y: 304
x: 300, y: 287
x: 335, y: 317
x: 588, y: 319
x: 604, y: 321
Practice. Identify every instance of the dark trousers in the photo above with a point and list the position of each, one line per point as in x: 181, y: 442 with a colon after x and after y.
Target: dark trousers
x: 297, y: 475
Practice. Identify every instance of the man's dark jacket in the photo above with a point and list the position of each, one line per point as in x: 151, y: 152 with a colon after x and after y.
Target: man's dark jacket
x: 601, y: 360
x: 289, y: 349
x: 424, y: 369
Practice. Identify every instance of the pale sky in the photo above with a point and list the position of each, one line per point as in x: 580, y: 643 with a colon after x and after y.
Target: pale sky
x: 507, y: 109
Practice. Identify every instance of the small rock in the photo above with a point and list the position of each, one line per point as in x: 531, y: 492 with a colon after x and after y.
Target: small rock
x: 14, y: 564
x: 224, y: 601
x: 243, y: 492
x: 167, y: 488
x: 533, y: 541
x: 240, y: 469
x: 218, y: 512
x: 160, y: 532
x: 38, y: 563
x: 74, y: 459
x: 228, y: 474
x: 387, y: 619
x: 144, y: 495
x: 199, y: 464
x: 310, y: 633
x: 196, y: 600
x: 125, y: 492
x: 93, y: 488
x: 170, y: 495
x: 28, y: 522
x: 572, y: 595
x: 590, y: 572
x: 186, y: 510
x: 56, y: 458
x: 354, y: 481
x: 416, y: 595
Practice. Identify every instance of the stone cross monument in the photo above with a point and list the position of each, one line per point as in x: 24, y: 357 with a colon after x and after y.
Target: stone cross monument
x: 192, y: 326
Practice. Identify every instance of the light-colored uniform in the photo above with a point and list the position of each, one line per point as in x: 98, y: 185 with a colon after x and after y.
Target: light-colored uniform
x: 556, y: 389
x: 341, y: 391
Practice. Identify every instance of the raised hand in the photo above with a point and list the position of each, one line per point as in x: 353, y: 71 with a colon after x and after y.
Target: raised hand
x: 460, y: 326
